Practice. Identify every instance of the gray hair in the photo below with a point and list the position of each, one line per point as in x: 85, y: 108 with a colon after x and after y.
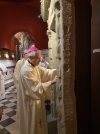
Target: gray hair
x: 33, y: 54
x: 25, y: 51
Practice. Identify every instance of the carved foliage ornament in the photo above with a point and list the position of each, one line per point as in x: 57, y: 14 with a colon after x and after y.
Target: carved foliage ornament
x: 44, y: 9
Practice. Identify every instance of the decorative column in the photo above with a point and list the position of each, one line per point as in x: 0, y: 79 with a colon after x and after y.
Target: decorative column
x: 17, y: 52
x: 83, y: 68
x: 66, y: 101
x: 61, y: 21
x: 17, y: 43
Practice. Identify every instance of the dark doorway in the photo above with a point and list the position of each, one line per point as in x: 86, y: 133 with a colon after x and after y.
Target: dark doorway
x: 83, y: 65
x: 95, y: 64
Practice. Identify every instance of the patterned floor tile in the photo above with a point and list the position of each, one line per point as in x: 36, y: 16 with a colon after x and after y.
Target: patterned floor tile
x: 12, y: 113
x: 13, y: 128
x: 10, y: 98
x: 6, y: 102
x: 7, y: 122
x: 14, y: 107
x: 7, y: 110
x: 15, y: 117
x: 4, y: 131
x: 10, y: 105
x: 13, y: 100
x: 4, y: 117
x: 1, y: 127
x: 3, y: 107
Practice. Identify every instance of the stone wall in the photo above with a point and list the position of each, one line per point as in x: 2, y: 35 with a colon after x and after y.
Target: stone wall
x: 61, y: 44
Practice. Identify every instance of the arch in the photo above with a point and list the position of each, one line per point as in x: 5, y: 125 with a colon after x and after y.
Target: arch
x: 7, y: 43
x: 38, y: 32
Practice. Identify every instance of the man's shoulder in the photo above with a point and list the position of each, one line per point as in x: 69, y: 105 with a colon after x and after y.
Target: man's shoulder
x: 18, y: 62
x: 26, y: 68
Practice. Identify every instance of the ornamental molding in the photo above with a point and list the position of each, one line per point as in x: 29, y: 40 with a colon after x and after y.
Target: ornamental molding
x: 44, y: 9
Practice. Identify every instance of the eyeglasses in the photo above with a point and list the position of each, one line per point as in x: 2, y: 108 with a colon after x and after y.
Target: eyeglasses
x: 36, y: 58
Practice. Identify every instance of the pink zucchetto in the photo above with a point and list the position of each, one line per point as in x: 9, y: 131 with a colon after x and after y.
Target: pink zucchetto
x: 32, y: 48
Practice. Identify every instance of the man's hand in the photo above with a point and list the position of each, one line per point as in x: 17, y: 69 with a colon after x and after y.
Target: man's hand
x: 54, y: 80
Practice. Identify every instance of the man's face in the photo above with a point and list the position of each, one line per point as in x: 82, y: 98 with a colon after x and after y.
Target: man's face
x: 36, y: 60
x: 42, y: 59
x: 25, y: 55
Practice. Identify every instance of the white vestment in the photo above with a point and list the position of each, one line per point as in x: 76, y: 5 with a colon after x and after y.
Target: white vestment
x: 18, y: 66
x: 17, y: 69
x: 2, y: 86
x: 33, y: 90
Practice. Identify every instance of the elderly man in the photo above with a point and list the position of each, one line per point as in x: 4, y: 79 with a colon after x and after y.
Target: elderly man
x: 21, y: 62
x: 33, y: 90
